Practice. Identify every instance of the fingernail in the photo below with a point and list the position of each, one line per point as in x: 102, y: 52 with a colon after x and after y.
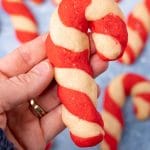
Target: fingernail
x: 42, y: 68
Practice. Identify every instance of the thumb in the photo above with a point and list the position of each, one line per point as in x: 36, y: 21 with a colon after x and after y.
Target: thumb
x: 21, y: 88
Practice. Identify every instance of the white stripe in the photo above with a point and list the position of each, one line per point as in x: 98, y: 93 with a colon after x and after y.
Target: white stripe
x: 23, y: 23
x: 79, y: 127
x: 141, y: 12
x: 142, y: 87
x: 78, y: 80
x: 143, y: 108
x: 107, y: 45
x: 125, y: 58
x: 67, y: 37
x: 104, y: 145
x: 98, y: 9
x: 116, y: 90
x: 134, y: 41
x: 112, y: 125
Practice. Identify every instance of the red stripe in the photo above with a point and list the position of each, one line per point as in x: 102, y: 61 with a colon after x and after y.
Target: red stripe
x: 87, y: 142
x: 17, y: 9
x: 130, y: 54
x: 135, y: 110
x: 130, y: 80
x: 72, y: 13
x: 144, y: 96
x: 79, y: 104
x: 112, y: 107
x: 61, y: 57
x: 147, y: 2
x: 25, y: 36
x: 112, y: 142
x: 38, y: 1
x: 138, y: 26
x: 48, y: 146
x: 111, y: 25
x: 120, y: 60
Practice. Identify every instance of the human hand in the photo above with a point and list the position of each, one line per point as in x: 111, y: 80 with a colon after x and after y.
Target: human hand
x: 25, y: 74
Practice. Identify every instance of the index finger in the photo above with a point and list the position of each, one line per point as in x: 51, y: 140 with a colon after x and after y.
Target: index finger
x: 22, y: 59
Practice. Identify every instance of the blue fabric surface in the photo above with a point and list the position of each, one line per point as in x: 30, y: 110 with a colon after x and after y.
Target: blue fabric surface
x: 4, y: 143
x: 136, y: 135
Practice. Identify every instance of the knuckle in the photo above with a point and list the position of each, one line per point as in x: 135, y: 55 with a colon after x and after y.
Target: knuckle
x: 19, y: 80
x: 24, y: 55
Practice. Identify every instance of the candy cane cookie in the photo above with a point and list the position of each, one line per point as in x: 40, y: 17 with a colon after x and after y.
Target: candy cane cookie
x: 138, y: 29
x: 68, y: 50
x: 114, y: 99
x: 23, y: 21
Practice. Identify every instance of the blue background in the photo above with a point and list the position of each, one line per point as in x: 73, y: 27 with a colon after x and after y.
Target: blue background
x: 136, y: 135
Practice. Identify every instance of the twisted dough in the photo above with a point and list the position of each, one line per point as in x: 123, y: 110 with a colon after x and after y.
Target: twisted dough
x: 115, y: 96
x: 138, y: 29
x: 22, y: 19
x: 68, y: 50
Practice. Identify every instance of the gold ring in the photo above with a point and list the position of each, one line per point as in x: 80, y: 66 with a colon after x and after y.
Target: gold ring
x: 37, y: 110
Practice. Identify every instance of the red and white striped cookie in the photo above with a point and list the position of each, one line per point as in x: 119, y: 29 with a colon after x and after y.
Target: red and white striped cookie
x: 23, y: 20
x: 114, y: 99
x: 68, y: 50
x: 138, y: 30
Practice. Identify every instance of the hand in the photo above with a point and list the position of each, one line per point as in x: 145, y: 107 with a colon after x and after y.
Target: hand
x: 25, y: 73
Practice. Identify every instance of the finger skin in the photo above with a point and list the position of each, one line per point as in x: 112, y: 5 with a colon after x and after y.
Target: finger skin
x: 26, y: 128
x: 24, y: 57
x: 31, y: 53
x: 98, y: 65
x: 22, y: 60
x: 52, y: 123
x: 25, y: 86
x: 49, y: 100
